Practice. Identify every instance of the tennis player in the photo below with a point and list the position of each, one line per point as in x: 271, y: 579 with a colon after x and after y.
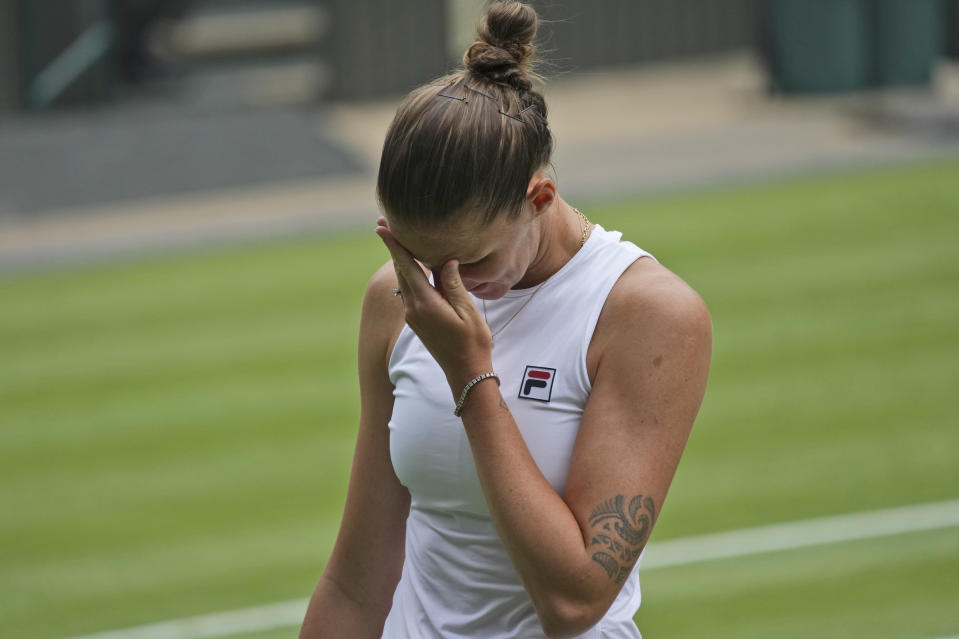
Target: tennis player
x: 528, y: 382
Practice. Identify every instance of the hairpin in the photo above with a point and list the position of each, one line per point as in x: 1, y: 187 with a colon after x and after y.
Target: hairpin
x: 517, y: 116
x: 469, y: 88
x: 446, y: 86
x: 452, y: 97
x: 464, y: 100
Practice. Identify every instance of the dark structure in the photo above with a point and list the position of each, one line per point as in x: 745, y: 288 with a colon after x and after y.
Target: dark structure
x: 55, y: 53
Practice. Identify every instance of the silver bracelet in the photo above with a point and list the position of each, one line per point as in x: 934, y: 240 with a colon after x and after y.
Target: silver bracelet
x: 466, y: 390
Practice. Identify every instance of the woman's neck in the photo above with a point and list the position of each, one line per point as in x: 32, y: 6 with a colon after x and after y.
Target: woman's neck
x: 561, y: 236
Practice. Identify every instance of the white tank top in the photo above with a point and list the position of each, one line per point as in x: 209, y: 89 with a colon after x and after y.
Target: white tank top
x: 458, y: 581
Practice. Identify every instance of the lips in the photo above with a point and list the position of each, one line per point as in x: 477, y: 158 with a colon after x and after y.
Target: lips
x: 487, y: 291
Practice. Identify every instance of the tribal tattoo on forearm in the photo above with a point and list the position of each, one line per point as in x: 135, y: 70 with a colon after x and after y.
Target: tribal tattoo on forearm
x: 620, y: 532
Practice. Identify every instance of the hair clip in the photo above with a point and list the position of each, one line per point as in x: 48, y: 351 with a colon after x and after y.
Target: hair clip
x: 469, y: 88
x: 447, y: 85
x: 517, y: 116
x: 465, y: 100
x: 452, y: 97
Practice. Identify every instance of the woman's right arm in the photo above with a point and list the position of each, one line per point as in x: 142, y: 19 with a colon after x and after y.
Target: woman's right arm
x: 355, y: 592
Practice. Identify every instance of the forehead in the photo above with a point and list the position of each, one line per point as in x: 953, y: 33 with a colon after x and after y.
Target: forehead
x: 466, y: 241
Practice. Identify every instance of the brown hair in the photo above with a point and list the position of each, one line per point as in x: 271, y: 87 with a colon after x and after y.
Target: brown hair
x: 470, y: 141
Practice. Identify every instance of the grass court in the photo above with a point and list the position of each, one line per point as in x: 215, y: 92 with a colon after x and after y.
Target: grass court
x: 176, y: 432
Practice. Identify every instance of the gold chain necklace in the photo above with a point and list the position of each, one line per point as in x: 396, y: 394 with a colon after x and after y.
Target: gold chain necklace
x: 587, y: 227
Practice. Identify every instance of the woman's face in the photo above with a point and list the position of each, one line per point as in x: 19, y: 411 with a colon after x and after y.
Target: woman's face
x: 493, y: 258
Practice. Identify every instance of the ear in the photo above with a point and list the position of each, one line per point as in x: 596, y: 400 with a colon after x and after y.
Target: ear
x: 541, y: 192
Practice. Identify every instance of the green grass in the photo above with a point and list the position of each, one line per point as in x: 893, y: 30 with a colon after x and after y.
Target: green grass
x: 176, y: 433
x: 903, y: 586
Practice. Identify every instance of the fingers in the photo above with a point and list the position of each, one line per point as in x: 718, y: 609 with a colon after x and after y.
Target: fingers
x: 443, y: 316
x: 412, y: 281
x: 452, y: 287
x: 438, y: 281
x: 395, y: 248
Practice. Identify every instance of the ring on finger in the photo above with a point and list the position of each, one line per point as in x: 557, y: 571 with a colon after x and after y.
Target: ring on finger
x: 397, y: 292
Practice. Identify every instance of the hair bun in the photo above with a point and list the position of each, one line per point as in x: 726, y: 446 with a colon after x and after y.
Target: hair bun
x: 504, y: 51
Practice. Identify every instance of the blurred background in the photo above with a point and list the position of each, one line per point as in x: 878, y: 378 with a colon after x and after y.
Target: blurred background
x: 174, y: 114
x: 186, y: 200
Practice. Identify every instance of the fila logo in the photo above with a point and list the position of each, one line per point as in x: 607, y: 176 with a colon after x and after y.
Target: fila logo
x: 537, y: 383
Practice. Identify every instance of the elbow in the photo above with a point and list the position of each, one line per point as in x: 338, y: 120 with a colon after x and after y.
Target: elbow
x: 569, y: 618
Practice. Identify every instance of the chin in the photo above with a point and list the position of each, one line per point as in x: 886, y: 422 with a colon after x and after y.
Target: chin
x: 489, y: 291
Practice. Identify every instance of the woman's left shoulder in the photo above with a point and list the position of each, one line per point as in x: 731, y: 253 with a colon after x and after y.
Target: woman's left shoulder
x: 650, y: 303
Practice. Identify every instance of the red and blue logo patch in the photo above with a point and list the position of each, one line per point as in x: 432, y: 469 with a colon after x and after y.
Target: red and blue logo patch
x: 537, y: 383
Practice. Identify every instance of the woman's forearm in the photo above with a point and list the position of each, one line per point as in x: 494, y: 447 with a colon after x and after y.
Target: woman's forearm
x: 333, y: 613
x: 542, y: 536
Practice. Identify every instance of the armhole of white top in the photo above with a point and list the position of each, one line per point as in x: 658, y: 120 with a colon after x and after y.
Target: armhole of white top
x: 594, y: 319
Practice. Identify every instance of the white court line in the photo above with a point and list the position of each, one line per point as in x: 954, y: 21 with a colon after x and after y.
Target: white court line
x: 218, y: 624
x: 802, y: 534
x: 674, y: 552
